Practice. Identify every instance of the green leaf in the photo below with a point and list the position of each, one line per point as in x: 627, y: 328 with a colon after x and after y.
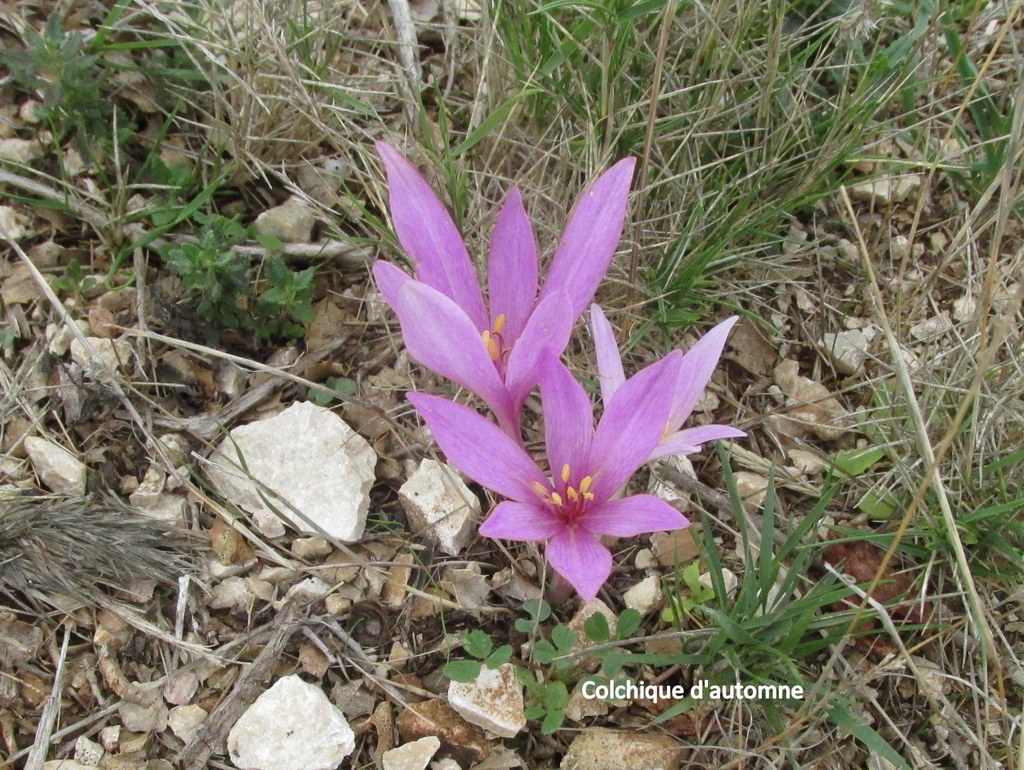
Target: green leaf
x: 863, y: 732
x: 854, y: 462
x: 556, y: 696
x: 269, y: 242
x: 596, y: 627
x: 534, y: 712
x: 499, y: 657
x: 478, y: 644
x: 629, y: 622
x: 544, y: 652
x: 552, y: 722
x: 462, y: 670
x: 563, y: 637
x: 538, y: 609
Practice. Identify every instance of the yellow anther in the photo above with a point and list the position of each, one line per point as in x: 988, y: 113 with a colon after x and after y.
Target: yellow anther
x: 572, y: 494
x: 499, y: 323
x: 492, y: 345
x: 585, y: 483
x: 556, y: 498
x: 539, y: 488
x: 588, y: 495
x: 565, y: 473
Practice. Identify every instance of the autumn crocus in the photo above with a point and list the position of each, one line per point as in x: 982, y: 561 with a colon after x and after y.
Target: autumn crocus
x: 492, y: 347
x: 694, y: 374
x: 572, y: 505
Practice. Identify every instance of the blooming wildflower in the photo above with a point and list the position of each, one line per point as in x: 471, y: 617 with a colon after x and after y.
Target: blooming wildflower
x: 694, y: 373
x: 494, y: 352
x: 573, y: 506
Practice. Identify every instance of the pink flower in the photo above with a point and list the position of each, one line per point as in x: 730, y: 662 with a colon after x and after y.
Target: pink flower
x: 574, y: 505
x: 694, y: 374
x: 494, y: 351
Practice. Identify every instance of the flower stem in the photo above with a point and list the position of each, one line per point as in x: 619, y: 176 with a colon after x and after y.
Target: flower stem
x: 559, y: 590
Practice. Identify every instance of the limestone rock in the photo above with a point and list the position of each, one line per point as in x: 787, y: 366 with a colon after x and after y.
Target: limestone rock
x: 56, y: 467
x: 185, y: 720
x: 308, y: 456
x: 412, y: 756
x: 460, y: 740
x: 20, y: 150
x: 291, y: 222
x: 291, y: 726
x: 493, y: 701
x: 846, y: 349
x: 440, y: 506
x: 599, y: 749
x: 104, y: 358
x: 645, y: 596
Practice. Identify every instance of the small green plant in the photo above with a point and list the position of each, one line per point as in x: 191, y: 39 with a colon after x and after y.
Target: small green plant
x: 679, y: 605
x: 62, y: 66
x: 479, y: 646
x: 219, y: 278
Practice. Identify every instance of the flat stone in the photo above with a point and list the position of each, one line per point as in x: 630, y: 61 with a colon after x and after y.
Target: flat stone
x: 846, y: 349
x: 105, y: 357
x: 645, y: 596
x: 185, y: 720
x: 493, y: 701
x: 57, y: 468
x: 88, y: 752
x: 412, y: 756
x: 291, y: 726
x: 291, y: 222
x: 440, y: 506
x: 308, y: 456
x: 596, y: 748
x: 20, y: 150
x: 460, y: 740
x: 579, y: 708
x: 578, y: 626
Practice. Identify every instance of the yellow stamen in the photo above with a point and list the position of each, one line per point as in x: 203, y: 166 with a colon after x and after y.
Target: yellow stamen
x: 572, y: 494
x: 588, y: 495
x: 492, y: 345
x: 499, y: 323
x: 585, y: 483
x: 565, y: 473
x: 539, y: 488
x: 556, y: 498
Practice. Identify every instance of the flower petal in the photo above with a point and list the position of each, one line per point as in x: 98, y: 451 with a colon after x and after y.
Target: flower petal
x: 634, y: 515
x: 478, y: 448
x: 698, y: 365
x: 686, y: 442
x: 441, y: 337
x: 632, y: 425
x: 591, y: 237
x: 512, y: 268
x: 429, y: 236
x: 568, y: 419
x: 521, y: 521
x: 609, y: 362
x: 578, y: 557
x: 390, y: 280
x: 546, y: 333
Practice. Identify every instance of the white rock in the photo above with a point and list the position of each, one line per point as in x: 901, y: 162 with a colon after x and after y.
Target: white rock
x: 185, y: 720
x: 14, y: 223
x: 445, y: 764
x: 931, y: 327
x: 412, y: 756
x: 292, y: 726
x: 57, y: 468
x: 579, y: 707
x: 308, y: 456
x: 440, y: 506
x: 599, y: 749
x: 88, y: 752
x: 20, y: 150
x: 493, y: 701
x: 105, y: 357
x: 644, y: 596
x: 291, y: 222
x: 729, y: 579
x: 846, y: 349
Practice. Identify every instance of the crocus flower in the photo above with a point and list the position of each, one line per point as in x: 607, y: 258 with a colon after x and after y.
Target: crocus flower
x: 447, y: 326
x: 694, y: 373
x: 574, y: 504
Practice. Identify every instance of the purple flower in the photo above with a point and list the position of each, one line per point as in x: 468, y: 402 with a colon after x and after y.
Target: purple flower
x: 694, y: 373
x: 494, y: 351
x: 575, y: 505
